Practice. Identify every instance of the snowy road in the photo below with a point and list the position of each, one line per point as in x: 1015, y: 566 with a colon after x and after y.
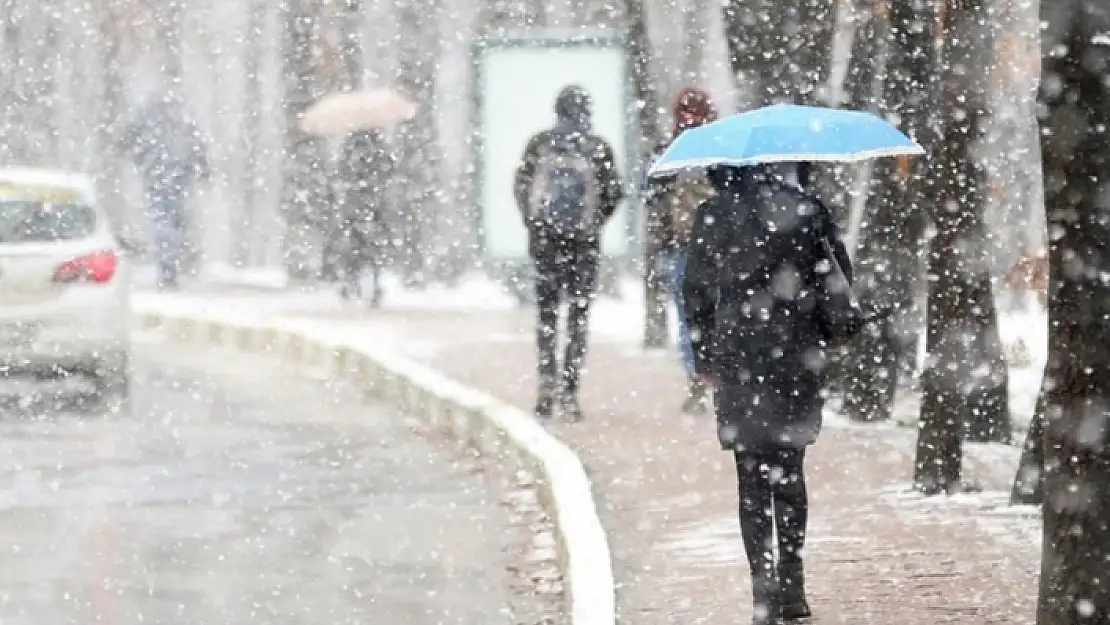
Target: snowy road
x: 241, y: 494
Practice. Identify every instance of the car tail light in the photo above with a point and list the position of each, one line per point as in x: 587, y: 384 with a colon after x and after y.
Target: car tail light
x: 98, y: 267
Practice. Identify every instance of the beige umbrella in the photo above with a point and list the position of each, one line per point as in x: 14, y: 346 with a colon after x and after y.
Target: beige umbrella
x: 342, y: 113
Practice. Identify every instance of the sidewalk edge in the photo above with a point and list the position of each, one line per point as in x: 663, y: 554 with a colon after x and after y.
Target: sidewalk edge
x: 476, y: 420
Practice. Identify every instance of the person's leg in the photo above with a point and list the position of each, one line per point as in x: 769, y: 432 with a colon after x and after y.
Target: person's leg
x: 757, y: 528
x: 352, y: 262
x: 547, y: 301
x: 696, y: 392
x: 791, y: 517
x: 582, y: 267
x: 684, y: 344
x: 169, y: 232
x: 376, y: 275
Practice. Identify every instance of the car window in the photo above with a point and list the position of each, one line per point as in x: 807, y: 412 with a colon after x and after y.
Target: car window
x: 23, y: 221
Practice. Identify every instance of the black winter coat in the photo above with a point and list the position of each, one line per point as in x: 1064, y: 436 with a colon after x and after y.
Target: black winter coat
x: 750, y: 302
x: 168, y: 150
x: 365, y: 169
x: 362, y: 191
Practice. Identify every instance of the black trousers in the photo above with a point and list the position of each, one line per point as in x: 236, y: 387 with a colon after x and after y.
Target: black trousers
x: 362, y: 250
x: 772, y: 497
x: 566, y: 271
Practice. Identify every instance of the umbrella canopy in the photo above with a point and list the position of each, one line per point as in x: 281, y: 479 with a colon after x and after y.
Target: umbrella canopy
x: 343, y: 113
x: 785, y: 133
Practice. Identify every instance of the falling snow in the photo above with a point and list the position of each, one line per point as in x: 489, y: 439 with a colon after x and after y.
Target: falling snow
x: 482, y: 187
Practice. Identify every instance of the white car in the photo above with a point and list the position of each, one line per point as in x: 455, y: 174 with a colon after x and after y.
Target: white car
x: 64, y: 282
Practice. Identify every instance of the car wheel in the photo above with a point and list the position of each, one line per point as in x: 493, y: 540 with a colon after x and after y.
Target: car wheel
x: 113, y: 383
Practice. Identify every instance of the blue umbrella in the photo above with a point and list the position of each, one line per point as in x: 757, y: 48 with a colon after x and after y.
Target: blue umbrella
x: 785, y: 133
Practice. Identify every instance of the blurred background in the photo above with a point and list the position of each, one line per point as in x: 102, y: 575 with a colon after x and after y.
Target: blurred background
x: 75, y: 73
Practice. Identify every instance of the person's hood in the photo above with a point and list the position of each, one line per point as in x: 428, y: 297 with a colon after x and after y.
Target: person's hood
x: 573, y: 111
x: 742, y: 180
x: 693, y: 107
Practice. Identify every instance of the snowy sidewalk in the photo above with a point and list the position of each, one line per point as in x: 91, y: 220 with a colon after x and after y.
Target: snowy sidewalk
x: 667, y: 493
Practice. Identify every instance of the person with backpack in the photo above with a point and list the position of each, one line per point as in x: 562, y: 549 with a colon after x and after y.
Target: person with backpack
x: 566, y: 188
x: 672, y: 202
x: 766, y: 291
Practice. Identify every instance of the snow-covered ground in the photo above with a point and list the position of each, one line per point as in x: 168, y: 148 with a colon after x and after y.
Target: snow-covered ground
x: 263, y: 294
x: 620, y: 321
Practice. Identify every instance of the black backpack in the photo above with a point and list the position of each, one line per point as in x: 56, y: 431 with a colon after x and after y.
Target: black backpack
x: 565, y: 192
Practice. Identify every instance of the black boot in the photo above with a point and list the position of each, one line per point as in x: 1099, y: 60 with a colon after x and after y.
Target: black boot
x: 766, y: 602
x: 572, y: 410
x: 545, y: 402
x: 792, y: 581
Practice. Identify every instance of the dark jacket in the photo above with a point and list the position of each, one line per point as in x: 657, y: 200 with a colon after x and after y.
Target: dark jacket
x: 362, y: 194
x: 168, y: 150
x: 671, y: 203
x: 572, y: 126
x: 749, y: 290
x: 365, y: 168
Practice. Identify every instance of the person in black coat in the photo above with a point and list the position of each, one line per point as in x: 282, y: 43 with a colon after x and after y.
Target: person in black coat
x: 755, y: 267
x: 566, y: 187
x: 365, y: 168
x: 172, y: 157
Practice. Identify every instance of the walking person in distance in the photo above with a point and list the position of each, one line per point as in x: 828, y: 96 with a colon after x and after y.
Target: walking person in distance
x: 171, y: 156
x: 758, y: 268
x: 672, y: 203
x: 566, y: 187
x: 365, y: 170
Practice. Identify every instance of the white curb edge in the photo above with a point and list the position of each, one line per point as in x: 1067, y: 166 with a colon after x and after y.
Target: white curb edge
x: 493, y: 428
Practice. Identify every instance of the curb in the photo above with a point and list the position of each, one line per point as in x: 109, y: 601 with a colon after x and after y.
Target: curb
x: 473, y: 419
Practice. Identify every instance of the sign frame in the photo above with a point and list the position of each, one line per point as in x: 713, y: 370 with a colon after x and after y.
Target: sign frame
x: 629, y: 167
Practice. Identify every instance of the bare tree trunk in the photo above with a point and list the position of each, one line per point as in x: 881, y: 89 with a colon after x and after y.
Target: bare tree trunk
x: 1029, y: 480
x: 888, y: 258
x: 872, y: 26
x: 655, y: 285
x: 244, y: 252
x: 14, y: 99
x: 46, y: 111
x: 111, y: 122
x: 1075, y: 148
x: 349, y: 78
x: 754, y: 47
x: 781, y: 47
x: 696, y: 35
x: 965, y: 379
x: 172, y: 23
x: 419, y: 166
x: 304, y: 176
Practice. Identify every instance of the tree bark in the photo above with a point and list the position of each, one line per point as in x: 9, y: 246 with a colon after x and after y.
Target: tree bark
x: 111, y: 122
x: 696, y: 35
x: 348, y: 77
x: 1075, y: 148
x: 417, y: 212
x: 303, y: 175
x: 965, y: 379
x: 1028, y: 488
x: 888, y: 257
x: 245, y: 253
x: 862, y: 86
x: 13, y: 94
x: 780, y: 48
x: 649, y: 112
